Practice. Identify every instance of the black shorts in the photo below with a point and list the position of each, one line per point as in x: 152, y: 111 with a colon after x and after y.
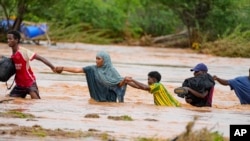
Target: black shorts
x: 23, y: 91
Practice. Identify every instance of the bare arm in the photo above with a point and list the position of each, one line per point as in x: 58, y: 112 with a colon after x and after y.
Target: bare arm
x: 197, y: 94
x: 73, y: 69
x: 133, y: 85
x: 138, y: 85
x: 221, y: 81
x: 45, y: 61
x: 127, y: 80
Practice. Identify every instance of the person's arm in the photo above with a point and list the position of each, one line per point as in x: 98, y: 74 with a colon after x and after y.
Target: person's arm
x: 132, y: 84
x: 45, y: 61
x: 197, y: 94
x: 138, y: 85
x: 221, y: 81
x: 60, y: 69
x: 127, y: 80
x: 123, y: 81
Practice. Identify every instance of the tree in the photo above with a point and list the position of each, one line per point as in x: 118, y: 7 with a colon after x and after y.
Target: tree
x: 21, y: 8
x: 192, y: 13
x: 205, y: 19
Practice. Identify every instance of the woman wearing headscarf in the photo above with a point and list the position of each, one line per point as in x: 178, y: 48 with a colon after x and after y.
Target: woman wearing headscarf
x: 104, y: 82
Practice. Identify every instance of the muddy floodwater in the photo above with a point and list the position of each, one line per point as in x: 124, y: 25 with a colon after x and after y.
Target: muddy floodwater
x: 65, y: 97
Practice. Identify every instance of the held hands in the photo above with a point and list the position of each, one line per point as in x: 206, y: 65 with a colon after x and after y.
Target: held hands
x: 125, y: 80
x: 58, y: 69
x: 215, y: 77
x: 128, y: 79
x: 53, y: 69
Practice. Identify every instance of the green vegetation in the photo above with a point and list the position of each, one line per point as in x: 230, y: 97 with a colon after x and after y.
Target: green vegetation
x: 203, y: 134
x: 92, y: 116
x: 38, y: 131
x: 212, y: 26
x: 124, y: 117
x: 236, y: 44
x: 16, y: 114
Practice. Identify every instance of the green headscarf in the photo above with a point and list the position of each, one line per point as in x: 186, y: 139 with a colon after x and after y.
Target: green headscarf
x: 107, y: 74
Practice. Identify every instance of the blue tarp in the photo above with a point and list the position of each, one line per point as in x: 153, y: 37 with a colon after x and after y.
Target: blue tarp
x: 29, y: 31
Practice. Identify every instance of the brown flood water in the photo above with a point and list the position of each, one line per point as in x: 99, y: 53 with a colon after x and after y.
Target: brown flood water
x: 65, y: 97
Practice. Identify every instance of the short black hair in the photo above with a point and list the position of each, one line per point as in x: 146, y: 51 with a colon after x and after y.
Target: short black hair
x: 156, y: 75
x: 16, y: 34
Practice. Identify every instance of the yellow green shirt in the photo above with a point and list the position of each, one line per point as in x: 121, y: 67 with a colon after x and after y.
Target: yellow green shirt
x: 162, y: 96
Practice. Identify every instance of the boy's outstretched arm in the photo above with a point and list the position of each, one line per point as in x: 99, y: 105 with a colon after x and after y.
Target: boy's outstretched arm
x: 138, y: 85
x: 45, y: 61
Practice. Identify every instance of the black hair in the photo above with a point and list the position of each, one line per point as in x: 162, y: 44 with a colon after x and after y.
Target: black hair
x: 156, y: 75
x: 15, y: 34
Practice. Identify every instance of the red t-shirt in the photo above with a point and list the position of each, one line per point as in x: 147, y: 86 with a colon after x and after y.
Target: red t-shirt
x: 24, y: 75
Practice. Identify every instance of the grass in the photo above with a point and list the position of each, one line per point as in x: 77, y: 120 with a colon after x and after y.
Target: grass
x: 227, y: 48
x: 203, y: 134
x: 16, y: 114
x: 236, y: 44
x: 82, y: 33
x: 123, y: 117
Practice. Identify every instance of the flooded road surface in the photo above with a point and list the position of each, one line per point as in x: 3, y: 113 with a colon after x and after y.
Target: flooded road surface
x: 65, y: 98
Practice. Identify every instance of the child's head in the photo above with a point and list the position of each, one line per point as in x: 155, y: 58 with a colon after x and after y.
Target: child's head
x: 154, y: 77
x: 16, y: 35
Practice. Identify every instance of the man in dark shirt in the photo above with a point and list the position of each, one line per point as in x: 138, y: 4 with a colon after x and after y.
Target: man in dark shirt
x: 197, y: 90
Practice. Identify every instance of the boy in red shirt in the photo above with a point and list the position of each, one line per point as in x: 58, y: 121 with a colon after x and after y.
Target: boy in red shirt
x: 25, y: 79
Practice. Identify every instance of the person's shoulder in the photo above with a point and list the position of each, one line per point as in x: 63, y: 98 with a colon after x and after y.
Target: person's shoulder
x: 153, y: 85
x: 21, y: 48
x: 158, y: 84
x: 242, y: 78
x: 208, y: 74
x: 93, y: 67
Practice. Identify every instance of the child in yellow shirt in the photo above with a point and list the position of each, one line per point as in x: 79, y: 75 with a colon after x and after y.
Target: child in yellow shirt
x: 161, y: 95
